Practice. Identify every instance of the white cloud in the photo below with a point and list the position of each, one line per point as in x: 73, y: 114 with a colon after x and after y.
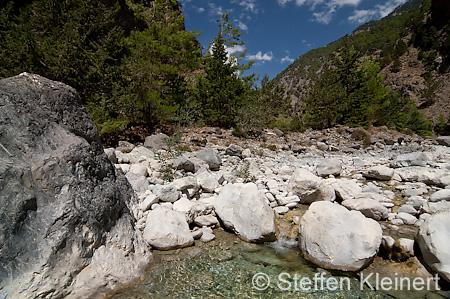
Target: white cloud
x: 215, y: 10
x: 324, y: 16
x: 388, y: 7
x: 362, y: 16
x: 287, y: 59
x: 235, y: 49
x: 323, y: 11
x: 379, y: 11
x: 306, y: 43
x: 241, y: 25
x: 248, y: 5
x: 261, y: 57
x: 199, y: 9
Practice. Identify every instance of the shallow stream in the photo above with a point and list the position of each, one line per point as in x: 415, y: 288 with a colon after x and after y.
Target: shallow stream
x: 230, y: 268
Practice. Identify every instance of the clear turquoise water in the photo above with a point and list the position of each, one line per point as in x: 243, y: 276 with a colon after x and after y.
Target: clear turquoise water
x: 225, y: 267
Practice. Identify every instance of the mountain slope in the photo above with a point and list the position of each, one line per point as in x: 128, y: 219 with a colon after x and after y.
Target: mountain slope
x: 410, y: 44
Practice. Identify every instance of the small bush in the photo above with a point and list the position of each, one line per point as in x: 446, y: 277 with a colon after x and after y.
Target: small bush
x: 408, y: 131
x: 183, y: 148
x: 238, y: 132
x: 244, y: 173
x: 362, y: 134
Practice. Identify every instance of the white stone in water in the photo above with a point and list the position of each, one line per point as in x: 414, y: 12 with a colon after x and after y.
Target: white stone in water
x: 207, y: 234
x: 206, y: 220
x: 281, y: 210
x: 166, y: 229
x: 196, y: 234
x: 282, y: 201
x: 407, y: 245
x: 333, y: 237
x: 387, y: 243
x: 396, y: 221
x: 291, y: 205
x: 243, y: 209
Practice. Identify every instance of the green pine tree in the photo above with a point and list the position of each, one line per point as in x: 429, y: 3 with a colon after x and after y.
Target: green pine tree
x: 221, y: 89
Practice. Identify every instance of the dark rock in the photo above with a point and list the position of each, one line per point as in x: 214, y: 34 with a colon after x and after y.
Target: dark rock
x: 443, y: 140
x: 209, y: 156
x: 156, y: 142
x: 183, y: 163
x: 65, y: 228
x: 234, y: 150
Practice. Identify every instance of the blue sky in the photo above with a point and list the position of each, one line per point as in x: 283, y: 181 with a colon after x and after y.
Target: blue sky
x: 276, y: 32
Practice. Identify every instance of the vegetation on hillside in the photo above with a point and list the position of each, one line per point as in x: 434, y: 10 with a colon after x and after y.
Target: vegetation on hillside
x: 349, y: 91
x: 375, y: 36
x: 325, y: 94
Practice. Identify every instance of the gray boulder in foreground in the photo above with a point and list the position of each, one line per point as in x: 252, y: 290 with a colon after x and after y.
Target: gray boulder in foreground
x: 433, y: 239
x: 333, y: 237
x: 243, y: 209
x: 65, y: 227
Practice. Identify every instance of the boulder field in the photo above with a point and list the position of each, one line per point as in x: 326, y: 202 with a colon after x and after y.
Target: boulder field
x: 362, y: 199
x: 79, y: 220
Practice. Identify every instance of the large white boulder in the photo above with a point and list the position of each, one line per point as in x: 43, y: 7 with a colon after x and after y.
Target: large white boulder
x: 333, y: 237
x: 433, y: 239
x: 244, y: 209
x: 309, y: 187
x: 167, y: 229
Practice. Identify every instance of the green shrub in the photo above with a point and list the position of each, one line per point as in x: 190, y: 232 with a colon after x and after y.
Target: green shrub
x: 363, y: 135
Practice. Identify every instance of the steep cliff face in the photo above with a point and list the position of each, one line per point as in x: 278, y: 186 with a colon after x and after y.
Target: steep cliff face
x: 65, y: 228
x: 420, y: 71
